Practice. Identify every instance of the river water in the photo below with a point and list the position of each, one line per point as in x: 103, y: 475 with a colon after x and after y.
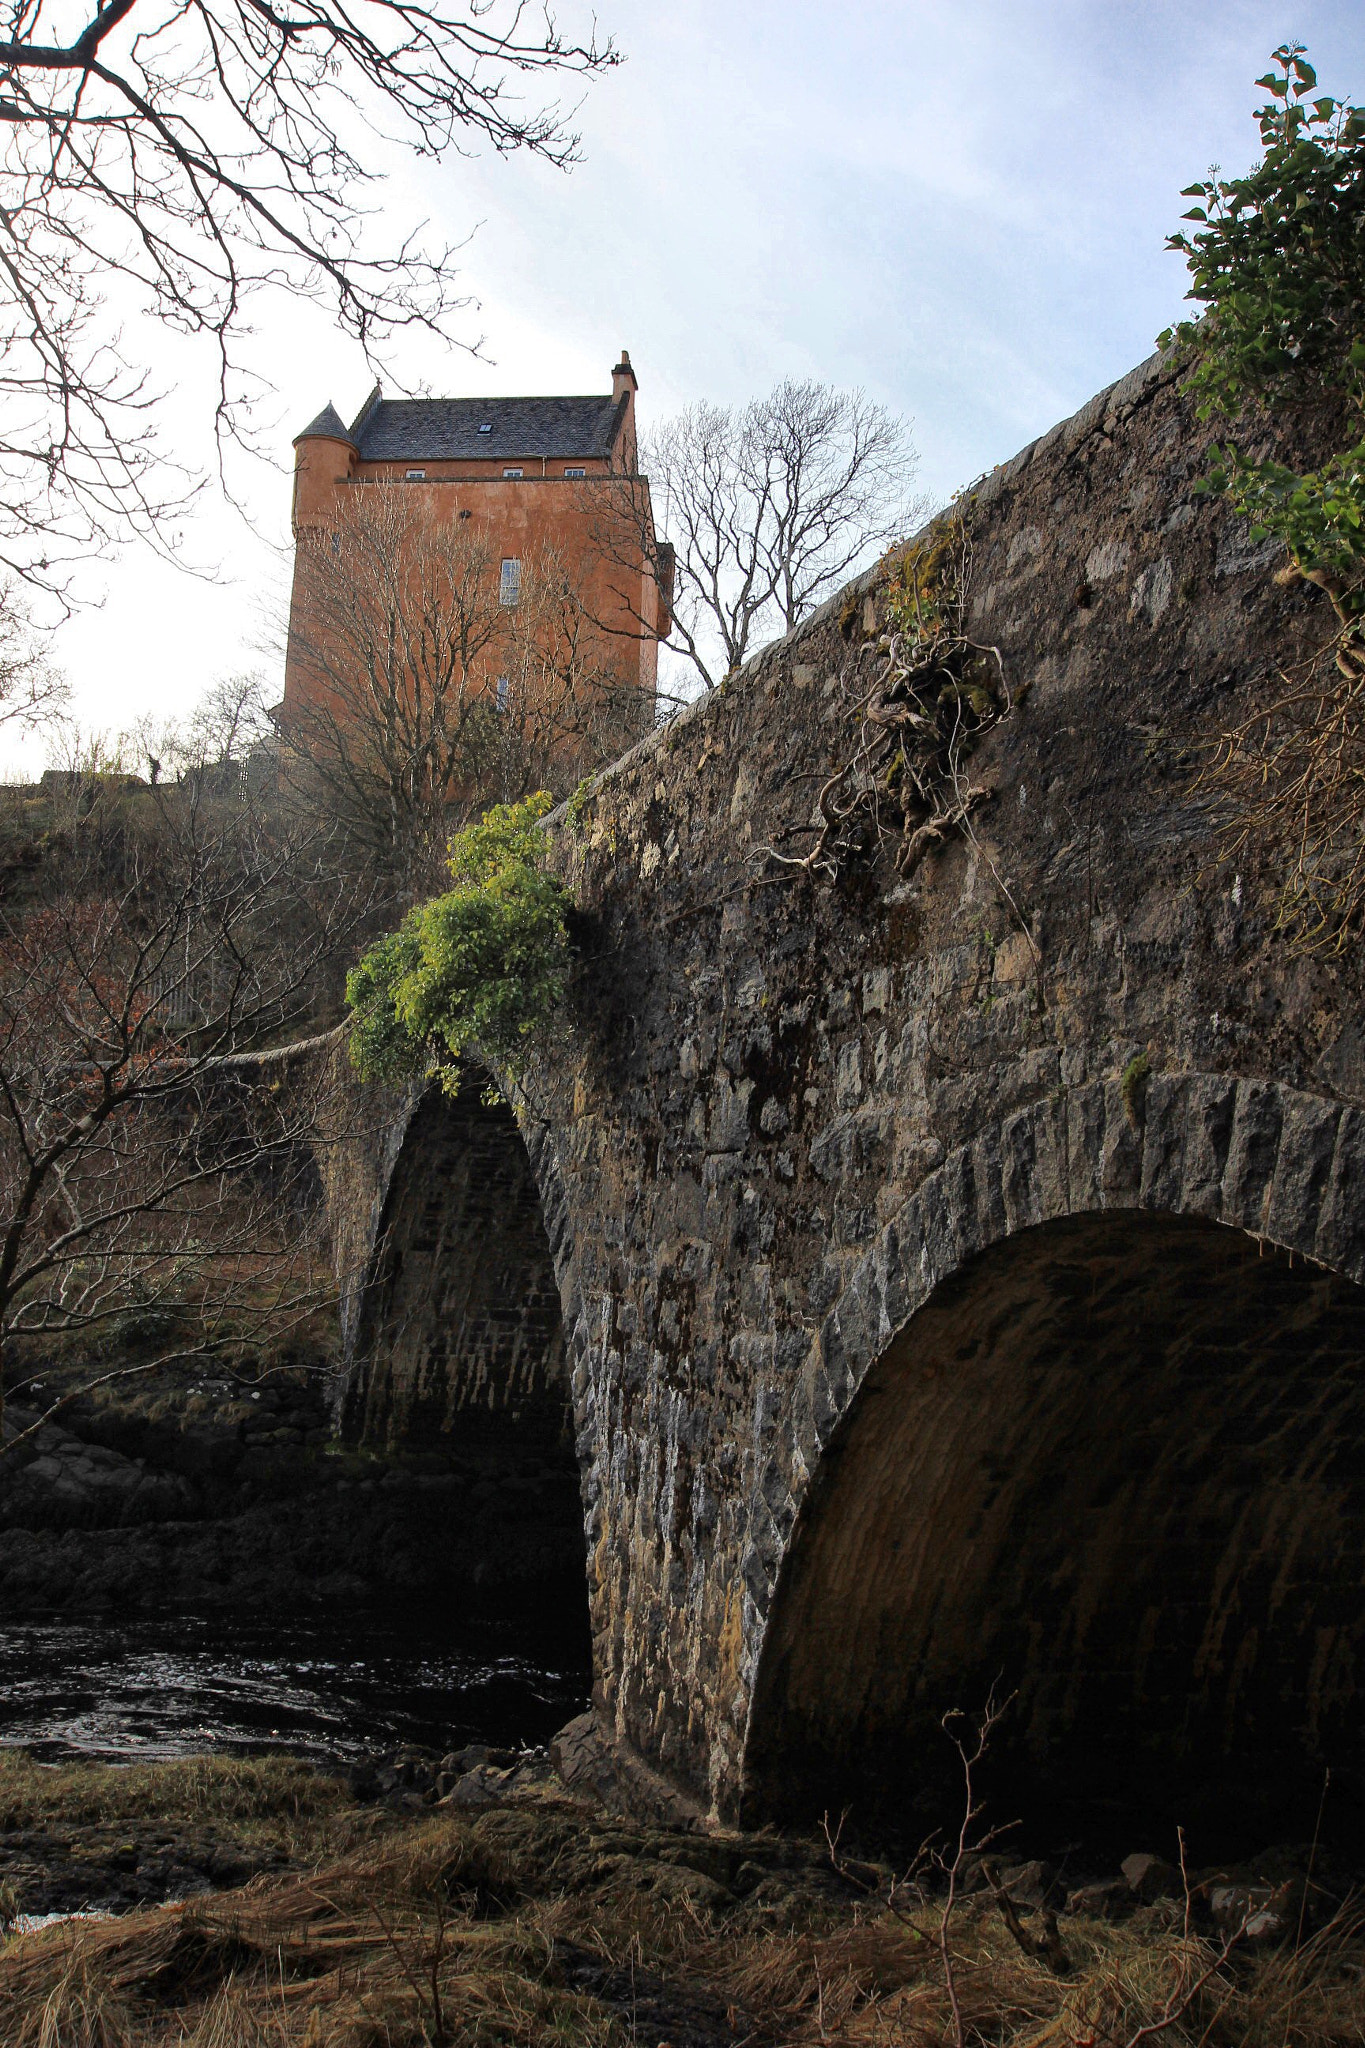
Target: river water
x: 331, y: 1686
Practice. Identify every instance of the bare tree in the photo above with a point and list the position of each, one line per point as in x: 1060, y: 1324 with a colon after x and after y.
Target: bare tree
x: 426, y: 695
x: 573, y: 698
x: 767, y: 507
x: 174, y: 161
x: 32, y: 692
x: 231, y: 723
x: 836, y: 469
x: 228, y: 735
x: 142, y: 1163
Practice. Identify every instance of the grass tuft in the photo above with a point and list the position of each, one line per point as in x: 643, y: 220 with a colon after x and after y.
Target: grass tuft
x: 190, y: 1790
x: 542, y: 1924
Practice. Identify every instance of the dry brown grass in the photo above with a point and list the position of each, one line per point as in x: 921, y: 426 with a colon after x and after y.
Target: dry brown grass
x: 472, y: 1932
x: 189, y: 1790
x: 383, y: 1948
x: 1290, y: 780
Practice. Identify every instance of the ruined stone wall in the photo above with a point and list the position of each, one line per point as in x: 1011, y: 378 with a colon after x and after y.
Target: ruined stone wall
x: 787, y: 1111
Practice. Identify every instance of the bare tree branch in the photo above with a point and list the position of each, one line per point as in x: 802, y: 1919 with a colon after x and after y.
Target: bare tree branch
x: 190, y: 154
x: 767, y: 509
x: 156, y: 1141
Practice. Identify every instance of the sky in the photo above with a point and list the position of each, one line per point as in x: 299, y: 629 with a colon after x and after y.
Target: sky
x: 959, y: 207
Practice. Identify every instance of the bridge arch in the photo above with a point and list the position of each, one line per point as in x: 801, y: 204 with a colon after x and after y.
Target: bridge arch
x: 457, y: 1343
x: 1068, y: 1429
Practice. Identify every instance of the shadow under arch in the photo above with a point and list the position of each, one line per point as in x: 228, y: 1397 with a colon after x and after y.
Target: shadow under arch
x: 459, y: 1358
x: 1116, y: 1462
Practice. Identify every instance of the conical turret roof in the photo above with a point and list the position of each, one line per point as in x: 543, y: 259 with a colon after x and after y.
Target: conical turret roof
x: 326, y: 427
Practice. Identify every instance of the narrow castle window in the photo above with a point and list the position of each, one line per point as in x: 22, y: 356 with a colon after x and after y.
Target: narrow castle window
x: 509, y: 586
x: 504, y: 693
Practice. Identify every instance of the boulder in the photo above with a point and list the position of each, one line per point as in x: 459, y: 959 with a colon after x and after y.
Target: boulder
x: 1255, y: 1912
x: 1112, y: 1900
x: 471, y: 1793
x: 1152, y: 1877
x: 1028, y: 1884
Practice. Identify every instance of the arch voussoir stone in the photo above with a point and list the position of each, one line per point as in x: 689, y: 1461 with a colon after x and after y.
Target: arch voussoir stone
x: 1249, y: 1173
x: 1210, y: 1107
x: 1303, y: 1165
x: 1339, y: 1240
x: 1084, y: 1111
x: 1166, y: 1113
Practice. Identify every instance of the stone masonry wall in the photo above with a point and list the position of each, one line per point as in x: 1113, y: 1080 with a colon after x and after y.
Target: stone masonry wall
x: 785, y: 1111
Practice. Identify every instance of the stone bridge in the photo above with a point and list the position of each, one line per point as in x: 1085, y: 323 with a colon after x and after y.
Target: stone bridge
x: 945, y: 1279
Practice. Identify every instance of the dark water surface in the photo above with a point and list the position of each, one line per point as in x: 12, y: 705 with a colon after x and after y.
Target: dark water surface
x: 327, y: 1686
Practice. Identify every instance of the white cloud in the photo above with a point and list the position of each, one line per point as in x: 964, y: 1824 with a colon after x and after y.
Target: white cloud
x: 960, y: 206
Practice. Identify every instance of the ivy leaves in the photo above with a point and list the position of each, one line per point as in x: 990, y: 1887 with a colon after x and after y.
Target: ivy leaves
x: 1319, y: 515
x: 1278, y: 259
x: 1278, y: 256
x: 484, y: 965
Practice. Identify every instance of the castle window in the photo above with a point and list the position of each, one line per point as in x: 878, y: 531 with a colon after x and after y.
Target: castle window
x: 514, y: 472
x: 575, y: 472
x: 415, y: 476
x: 509, y: 585
x: 504, y: 693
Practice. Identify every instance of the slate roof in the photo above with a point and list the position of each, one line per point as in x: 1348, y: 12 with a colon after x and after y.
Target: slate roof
x: 328, y: 422
x: 432, y: 429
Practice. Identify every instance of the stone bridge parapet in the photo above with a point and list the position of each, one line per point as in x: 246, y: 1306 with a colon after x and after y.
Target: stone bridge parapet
x: 807, y: 1148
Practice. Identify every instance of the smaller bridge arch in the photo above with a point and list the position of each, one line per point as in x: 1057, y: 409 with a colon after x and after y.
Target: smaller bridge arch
x: 1068, y: 1429
x: 458, y: 1352
x: 459, y: 1332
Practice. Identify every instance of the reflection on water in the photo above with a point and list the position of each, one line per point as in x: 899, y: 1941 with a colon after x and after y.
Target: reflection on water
x: 329, y: 1686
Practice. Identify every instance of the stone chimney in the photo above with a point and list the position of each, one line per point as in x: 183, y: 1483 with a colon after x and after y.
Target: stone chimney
x: 623, y: 385
x: 623, y: 377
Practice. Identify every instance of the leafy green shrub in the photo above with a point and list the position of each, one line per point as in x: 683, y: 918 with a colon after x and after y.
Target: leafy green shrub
x: 1278, y: 259
x: 484, y: 965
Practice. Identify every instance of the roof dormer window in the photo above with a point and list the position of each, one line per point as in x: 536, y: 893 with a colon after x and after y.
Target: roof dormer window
x: 487, y: 427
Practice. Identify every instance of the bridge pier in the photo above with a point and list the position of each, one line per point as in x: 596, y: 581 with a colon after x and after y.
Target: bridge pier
x: 459, y: 1328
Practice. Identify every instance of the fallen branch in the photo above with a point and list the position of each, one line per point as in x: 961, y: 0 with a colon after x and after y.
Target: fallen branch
x: 1047, y: 1947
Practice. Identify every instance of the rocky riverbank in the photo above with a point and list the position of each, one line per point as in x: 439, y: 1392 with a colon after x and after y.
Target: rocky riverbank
x: 229, y: 1491
x: 476, y: 1898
